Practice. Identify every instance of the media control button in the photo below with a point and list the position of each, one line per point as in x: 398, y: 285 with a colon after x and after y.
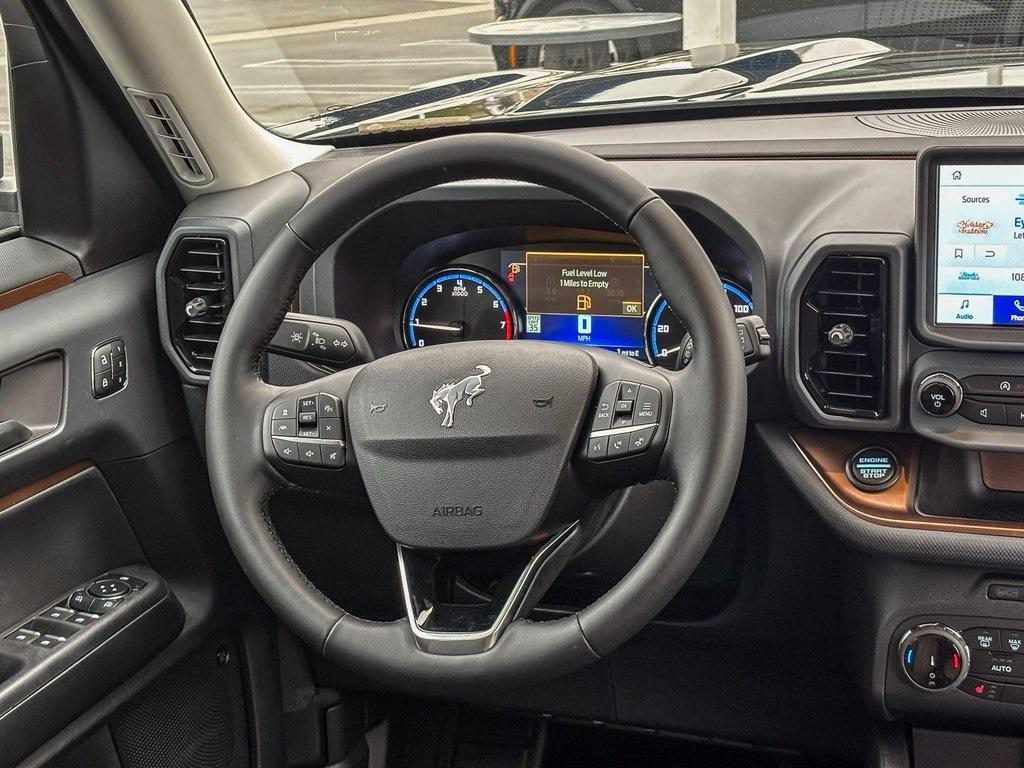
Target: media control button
x: 618, y: 445
x: 640, y: 439
x: 873, y: 469
x: 287, y: 450
x: 605, y: 406
x: 309, y: 453
x: 983, y: 413
x: 629, y: 391
x: 1015, y: 415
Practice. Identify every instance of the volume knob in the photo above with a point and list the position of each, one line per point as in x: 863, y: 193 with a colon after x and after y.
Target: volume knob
x: 934, y: 657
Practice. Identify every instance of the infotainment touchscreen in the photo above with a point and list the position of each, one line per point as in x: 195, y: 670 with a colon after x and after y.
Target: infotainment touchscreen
x: 979, y: 244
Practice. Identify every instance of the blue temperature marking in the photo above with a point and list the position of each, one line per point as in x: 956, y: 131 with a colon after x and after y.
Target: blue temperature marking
x: 415, y: 303
x: 910, y: 656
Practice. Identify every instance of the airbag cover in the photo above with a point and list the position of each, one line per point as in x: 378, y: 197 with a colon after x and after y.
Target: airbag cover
x: 462, y: 446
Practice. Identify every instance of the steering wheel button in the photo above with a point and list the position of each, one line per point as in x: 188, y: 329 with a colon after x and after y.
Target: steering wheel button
x: 286, y: 449
x: 307, y: 418
x: 605, y: 406
x: 330, y: 429
x: 640, y: 440
x: 648, y: 406
x: 597, y: 448
x: 629, y: 390
x: 622, y: 420
x: 618, y: 445
x: 332, y: 456
x: 285, y: 410
x: 308, y: 432
x: 307, y: 404
x: 309, y: 453
x: 623, y: 406
x: 328, y: 406
x: 283, y: 428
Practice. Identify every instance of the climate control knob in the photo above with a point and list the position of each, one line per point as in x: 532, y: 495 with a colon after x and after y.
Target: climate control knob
x: 934, y: 657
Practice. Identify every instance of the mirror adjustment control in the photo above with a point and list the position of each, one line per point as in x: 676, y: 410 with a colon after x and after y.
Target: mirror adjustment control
x: 940, y: 394
x: 107, y: 588
x: 934, y: 657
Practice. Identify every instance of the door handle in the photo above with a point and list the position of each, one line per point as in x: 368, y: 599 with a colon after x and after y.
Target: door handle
x: 13, y: 433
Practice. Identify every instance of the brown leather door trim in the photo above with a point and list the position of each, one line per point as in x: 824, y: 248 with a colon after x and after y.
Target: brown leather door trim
x: 28, y: 291
x: 43, y: 484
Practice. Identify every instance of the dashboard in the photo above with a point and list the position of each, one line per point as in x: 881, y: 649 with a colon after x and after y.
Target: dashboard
x: 576, y: 293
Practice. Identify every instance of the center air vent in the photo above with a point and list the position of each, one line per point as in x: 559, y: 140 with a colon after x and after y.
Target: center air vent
x: 843, y: 328
x: 198, y: 283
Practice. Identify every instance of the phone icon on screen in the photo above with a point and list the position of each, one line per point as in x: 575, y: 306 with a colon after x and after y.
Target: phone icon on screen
x: 1018, y: 305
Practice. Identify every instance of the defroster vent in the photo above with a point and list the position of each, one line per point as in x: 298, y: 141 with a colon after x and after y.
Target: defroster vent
x: 843, y: 330
x: 198, y: 297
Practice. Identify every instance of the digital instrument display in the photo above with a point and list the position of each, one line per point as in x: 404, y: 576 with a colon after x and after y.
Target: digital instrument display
x: 597, y: 298
x: 979, y: 245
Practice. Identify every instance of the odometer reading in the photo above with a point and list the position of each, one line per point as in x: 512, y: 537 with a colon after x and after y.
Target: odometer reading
x: 457, y: 305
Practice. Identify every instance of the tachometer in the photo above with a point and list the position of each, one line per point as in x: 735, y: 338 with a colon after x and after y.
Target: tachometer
x: 668, y: 342
x: 457, y: 304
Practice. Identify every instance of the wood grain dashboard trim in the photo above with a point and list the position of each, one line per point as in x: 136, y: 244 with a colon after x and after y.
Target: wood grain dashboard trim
x: 826, y: 453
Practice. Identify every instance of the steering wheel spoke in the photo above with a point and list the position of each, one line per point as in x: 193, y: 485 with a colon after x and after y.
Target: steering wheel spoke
x: 447, y: 625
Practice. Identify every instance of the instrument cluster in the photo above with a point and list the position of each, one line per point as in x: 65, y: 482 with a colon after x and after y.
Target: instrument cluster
x: 595, y: 295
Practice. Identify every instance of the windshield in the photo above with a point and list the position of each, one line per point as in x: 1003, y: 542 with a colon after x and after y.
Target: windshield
x: 326, y: 69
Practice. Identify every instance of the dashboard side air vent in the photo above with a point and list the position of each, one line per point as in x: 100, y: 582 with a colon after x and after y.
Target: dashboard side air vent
x: 198, y: 285
x: 171, y: 136
x: 843, y: 329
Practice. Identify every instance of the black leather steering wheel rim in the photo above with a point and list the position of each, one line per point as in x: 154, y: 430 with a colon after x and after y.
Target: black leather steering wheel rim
x: 707, y: 430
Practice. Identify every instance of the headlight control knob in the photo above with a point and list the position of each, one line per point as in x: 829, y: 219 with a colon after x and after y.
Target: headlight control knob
x: 934, y: 657
x: 940, y: 394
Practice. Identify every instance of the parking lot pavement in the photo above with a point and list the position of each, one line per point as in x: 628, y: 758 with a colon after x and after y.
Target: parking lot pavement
x: 287, y: 59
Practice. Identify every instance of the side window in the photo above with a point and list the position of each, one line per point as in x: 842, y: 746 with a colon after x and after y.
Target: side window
x: 9, y: 216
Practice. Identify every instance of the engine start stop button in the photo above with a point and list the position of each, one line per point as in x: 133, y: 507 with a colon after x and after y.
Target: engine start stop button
x: 873, y: 469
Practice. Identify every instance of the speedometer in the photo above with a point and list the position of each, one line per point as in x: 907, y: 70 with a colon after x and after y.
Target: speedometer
x: 668, y: 342
x: 457, y: 304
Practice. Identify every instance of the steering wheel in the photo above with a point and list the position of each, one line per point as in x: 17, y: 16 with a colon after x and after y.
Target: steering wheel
x: 486, y: 447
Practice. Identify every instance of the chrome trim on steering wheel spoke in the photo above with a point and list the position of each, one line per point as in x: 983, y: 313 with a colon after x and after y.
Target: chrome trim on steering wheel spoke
x: 507, y: 605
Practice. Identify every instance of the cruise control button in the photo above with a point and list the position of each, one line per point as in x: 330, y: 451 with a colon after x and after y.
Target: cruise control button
x: 597, y: 448
x: 309, y: 453
x: 983, y: 413
x: 287, y: 450
x: 285, y: 410
x: 330, y: 429
x: 332, y: 456
x: 982, y: 638
x: 283, y: 428
x: 648, y: 406
x: 307, y: 418
x: 328, y: 406
x: 308, y: 432
x: 618, y: 445
x: 605, y: 406
x: 307, y: 404
x: 640, y: 439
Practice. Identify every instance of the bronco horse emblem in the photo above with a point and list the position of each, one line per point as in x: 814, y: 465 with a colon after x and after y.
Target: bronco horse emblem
x: 451, y: 395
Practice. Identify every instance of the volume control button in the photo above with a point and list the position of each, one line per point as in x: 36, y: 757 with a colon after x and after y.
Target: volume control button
x: 940, y: 394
